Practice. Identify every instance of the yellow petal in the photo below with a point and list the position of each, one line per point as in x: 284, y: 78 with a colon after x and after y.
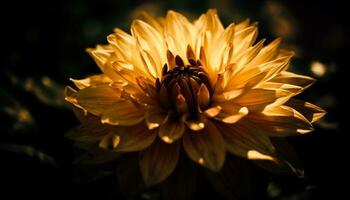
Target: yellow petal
x: 203, y: 96
x: 128, y: 138
x: 213, y: 22
x: 159, y: 161
x: 311, y: 112
x: 282, y: 121
x: 89, y: 132
x: 97, y: 99
x: 123, y: 113
x: 206, y: 147
x: 194, y: 123
x: 171, y: 130
x: 110, y: 141
x: 181, y: 105
x: 150, y: 64
x: 231, y: 113
x: 256, y: 74
x: 103, y: 56
x: 92, y: 81
x: 258, y: 99
x: 151, y: 41
x: 294, y: 79
x: 155, y: 23
x: 178, y: 28
x: 268, y: 53
x: 213, y: 111
x: 155, y: 116
x: 246, y: 140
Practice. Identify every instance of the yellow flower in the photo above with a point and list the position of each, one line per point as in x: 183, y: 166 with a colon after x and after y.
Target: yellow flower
x: 173, y: 83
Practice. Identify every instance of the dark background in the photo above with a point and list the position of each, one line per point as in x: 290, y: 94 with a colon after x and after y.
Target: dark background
x: 43, y: 45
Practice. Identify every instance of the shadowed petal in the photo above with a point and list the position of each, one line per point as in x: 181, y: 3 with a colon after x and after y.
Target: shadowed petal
x: 246, y: 140
x: 206, y: 147
x: 128, y: 139
x: 172, y: 129
x: 282, y: 121
x: 310, y: 111
x: 154, y: 116
x: 123, y: 113
x: 159, y: 161
x: 97, y: 99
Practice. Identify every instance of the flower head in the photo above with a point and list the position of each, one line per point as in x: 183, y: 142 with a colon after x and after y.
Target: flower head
x: 174, y: 84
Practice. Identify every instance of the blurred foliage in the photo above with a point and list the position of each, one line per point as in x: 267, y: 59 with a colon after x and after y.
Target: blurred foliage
x: 44, y: 47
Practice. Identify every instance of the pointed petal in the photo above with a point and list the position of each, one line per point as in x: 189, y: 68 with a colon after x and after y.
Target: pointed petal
x: 159, y: 161
x: 97, y: 99
x: 88, y: 132
x: 257, y: 99
x: 194, y: 124
x: 310, y: 111
x: 203, y: 96
x: 123, y: 113
x: 155, y: 116
x: 213, y: 111
x: 206, y: 147
x: 245, y: 140
x: 172, y: 129
x: 231, y: 113
x: 282, y: 121
x: 128, y: 138
x: 294, y: 79
x: 94, y: 80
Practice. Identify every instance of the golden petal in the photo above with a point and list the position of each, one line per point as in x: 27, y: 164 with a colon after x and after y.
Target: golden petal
x: 267, y: 54
x: 294, y: 79
x: 150, y: 64
x: 231, y: 113
x: 256, y: 74
x: 91, y: 81
x: 171, y: 130
x: 258, y: 99
x: 171, y: 59
x: 110, y: 141
x: 123, y: 113
x: 242, y: 25
x: 244, y: 39
x: 247, y: 56
x: 246, y: 140
x: 206, y: 147
x: 97, y: 99
x: 213, y: 23
x: 310, y: 111
x: 178, y: 30
x: 159, y: 161
x: 203, y: 96
x: 128, y: 138
x: 150, y: 40
x: 181, y: 105
x: 155, y: 116
x: 195, y: 124
x: 89, y: 132
x: 282, y: 121
x: 213, y: 111
x: 155, y: 23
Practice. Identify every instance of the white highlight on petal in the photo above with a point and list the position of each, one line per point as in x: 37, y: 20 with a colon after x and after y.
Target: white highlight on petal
x: 255, y: 155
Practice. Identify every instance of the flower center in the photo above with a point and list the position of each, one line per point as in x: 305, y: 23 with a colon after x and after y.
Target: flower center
x: 179, y: 86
